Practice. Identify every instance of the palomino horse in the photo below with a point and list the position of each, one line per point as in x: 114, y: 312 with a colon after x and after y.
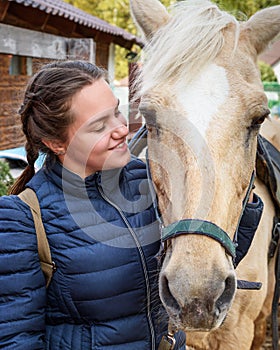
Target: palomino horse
x: 203, y: 102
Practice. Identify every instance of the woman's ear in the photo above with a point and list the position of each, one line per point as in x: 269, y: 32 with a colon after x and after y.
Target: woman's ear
x: 56, y: 146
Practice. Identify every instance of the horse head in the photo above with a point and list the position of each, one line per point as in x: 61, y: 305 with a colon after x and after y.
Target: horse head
x: 203, y: 102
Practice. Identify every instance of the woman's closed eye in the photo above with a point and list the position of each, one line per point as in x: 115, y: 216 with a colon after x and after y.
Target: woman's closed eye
x: 98, y: 127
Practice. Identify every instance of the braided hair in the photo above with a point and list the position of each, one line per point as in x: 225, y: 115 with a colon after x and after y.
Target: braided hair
x: 46, y: 109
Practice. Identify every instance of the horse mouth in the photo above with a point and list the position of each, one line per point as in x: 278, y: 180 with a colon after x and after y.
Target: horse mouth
x: 196, y: 318
x: 203, y: 313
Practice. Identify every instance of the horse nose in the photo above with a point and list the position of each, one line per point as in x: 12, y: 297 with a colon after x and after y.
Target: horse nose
x: 201, y: 310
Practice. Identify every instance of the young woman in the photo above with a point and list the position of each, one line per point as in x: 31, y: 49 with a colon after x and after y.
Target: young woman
x: 99, y: 219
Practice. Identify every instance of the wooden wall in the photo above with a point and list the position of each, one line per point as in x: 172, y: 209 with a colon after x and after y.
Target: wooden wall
x: 29, y: 50
x: 11, y: 92
x: 12, y: 88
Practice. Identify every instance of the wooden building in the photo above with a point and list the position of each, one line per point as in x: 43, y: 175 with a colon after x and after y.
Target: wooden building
x: 35, y: 31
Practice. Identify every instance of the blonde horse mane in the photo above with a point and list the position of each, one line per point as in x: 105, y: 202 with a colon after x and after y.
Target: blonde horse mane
x: 199, y: 26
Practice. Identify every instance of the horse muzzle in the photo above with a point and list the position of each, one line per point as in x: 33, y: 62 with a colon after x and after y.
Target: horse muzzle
x: 200, y: 313
x: 202, y: 302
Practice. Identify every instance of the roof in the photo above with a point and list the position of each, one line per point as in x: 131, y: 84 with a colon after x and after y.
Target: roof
x: 272, y: 55
x: 71, y: 13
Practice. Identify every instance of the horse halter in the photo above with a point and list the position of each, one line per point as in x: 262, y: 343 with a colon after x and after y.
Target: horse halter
x: 193, y: 226
x: 201, y: 227
x: 190, y: 226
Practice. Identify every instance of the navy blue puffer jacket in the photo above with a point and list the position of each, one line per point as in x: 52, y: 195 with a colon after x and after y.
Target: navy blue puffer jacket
x: 104, y: 239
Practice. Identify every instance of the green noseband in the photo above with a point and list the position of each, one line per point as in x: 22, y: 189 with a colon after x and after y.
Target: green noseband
x: 200, y: 227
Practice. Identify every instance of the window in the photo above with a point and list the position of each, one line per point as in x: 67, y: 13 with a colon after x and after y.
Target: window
x: 20, y: 65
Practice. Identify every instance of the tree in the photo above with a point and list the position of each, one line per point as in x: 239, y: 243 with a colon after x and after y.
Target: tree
x: 116, y: 12
x: 267, y: 72
x: 244, y: 8
x: 6, y: 179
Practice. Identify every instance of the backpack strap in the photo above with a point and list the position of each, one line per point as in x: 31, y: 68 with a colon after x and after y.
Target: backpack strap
x: 47, y: 265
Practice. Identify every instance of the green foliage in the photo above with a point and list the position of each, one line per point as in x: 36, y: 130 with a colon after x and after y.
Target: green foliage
x: 244, y: 7
x: 6, y: 179
x: 116, y: 12
x: 167, y: 3
x: 267, y: 72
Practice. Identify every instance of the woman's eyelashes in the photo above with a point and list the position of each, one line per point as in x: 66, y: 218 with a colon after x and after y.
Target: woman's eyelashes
x: 100, y: 126
x: 97, y: 127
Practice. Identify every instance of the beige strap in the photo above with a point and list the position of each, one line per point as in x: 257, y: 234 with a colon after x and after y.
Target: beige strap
x: 47, y: 265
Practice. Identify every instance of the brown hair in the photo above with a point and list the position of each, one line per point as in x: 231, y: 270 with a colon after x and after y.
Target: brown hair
x: 46, y: 109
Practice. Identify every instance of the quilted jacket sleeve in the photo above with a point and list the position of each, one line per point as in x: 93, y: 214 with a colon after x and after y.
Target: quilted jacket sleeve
x: 22, y: 286
x: 248, y: 227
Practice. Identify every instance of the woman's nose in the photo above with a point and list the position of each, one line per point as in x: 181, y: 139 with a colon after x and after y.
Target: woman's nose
x: 119, y: 126
x: 120, y: 131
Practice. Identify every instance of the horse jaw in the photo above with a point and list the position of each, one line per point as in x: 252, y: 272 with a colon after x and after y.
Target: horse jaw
x: 148, y: 15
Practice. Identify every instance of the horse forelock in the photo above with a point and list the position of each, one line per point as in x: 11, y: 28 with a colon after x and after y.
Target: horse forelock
x: 191, y: 39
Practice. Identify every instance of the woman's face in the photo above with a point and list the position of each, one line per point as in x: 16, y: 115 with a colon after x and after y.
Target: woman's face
x: 97, y: 138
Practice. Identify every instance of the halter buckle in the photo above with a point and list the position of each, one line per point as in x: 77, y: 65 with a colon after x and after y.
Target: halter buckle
x: 167, y: 342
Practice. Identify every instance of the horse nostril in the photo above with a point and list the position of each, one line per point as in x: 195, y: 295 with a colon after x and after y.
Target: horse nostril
x: 166, y: 295
x: 228, y: 293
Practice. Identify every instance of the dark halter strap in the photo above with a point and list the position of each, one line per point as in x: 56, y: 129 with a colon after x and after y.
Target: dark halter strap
x: 200, y: 227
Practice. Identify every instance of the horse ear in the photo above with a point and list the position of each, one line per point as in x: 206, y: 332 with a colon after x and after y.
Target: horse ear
x: 148, y: 15
x: 263, y: 27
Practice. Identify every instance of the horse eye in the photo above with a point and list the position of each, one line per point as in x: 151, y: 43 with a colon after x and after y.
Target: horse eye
x: 149, y: 115
x: 259, y: 120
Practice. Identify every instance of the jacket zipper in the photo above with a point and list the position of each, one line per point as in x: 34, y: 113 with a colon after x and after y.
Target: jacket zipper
x: 143, y: 262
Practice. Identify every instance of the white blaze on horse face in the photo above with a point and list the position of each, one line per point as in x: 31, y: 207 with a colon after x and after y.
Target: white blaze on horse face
x: 202, y: 98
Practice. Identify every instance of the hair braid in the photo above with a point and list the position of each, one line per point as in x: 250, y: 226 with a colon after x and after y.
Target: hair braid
x: 46, y: 110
